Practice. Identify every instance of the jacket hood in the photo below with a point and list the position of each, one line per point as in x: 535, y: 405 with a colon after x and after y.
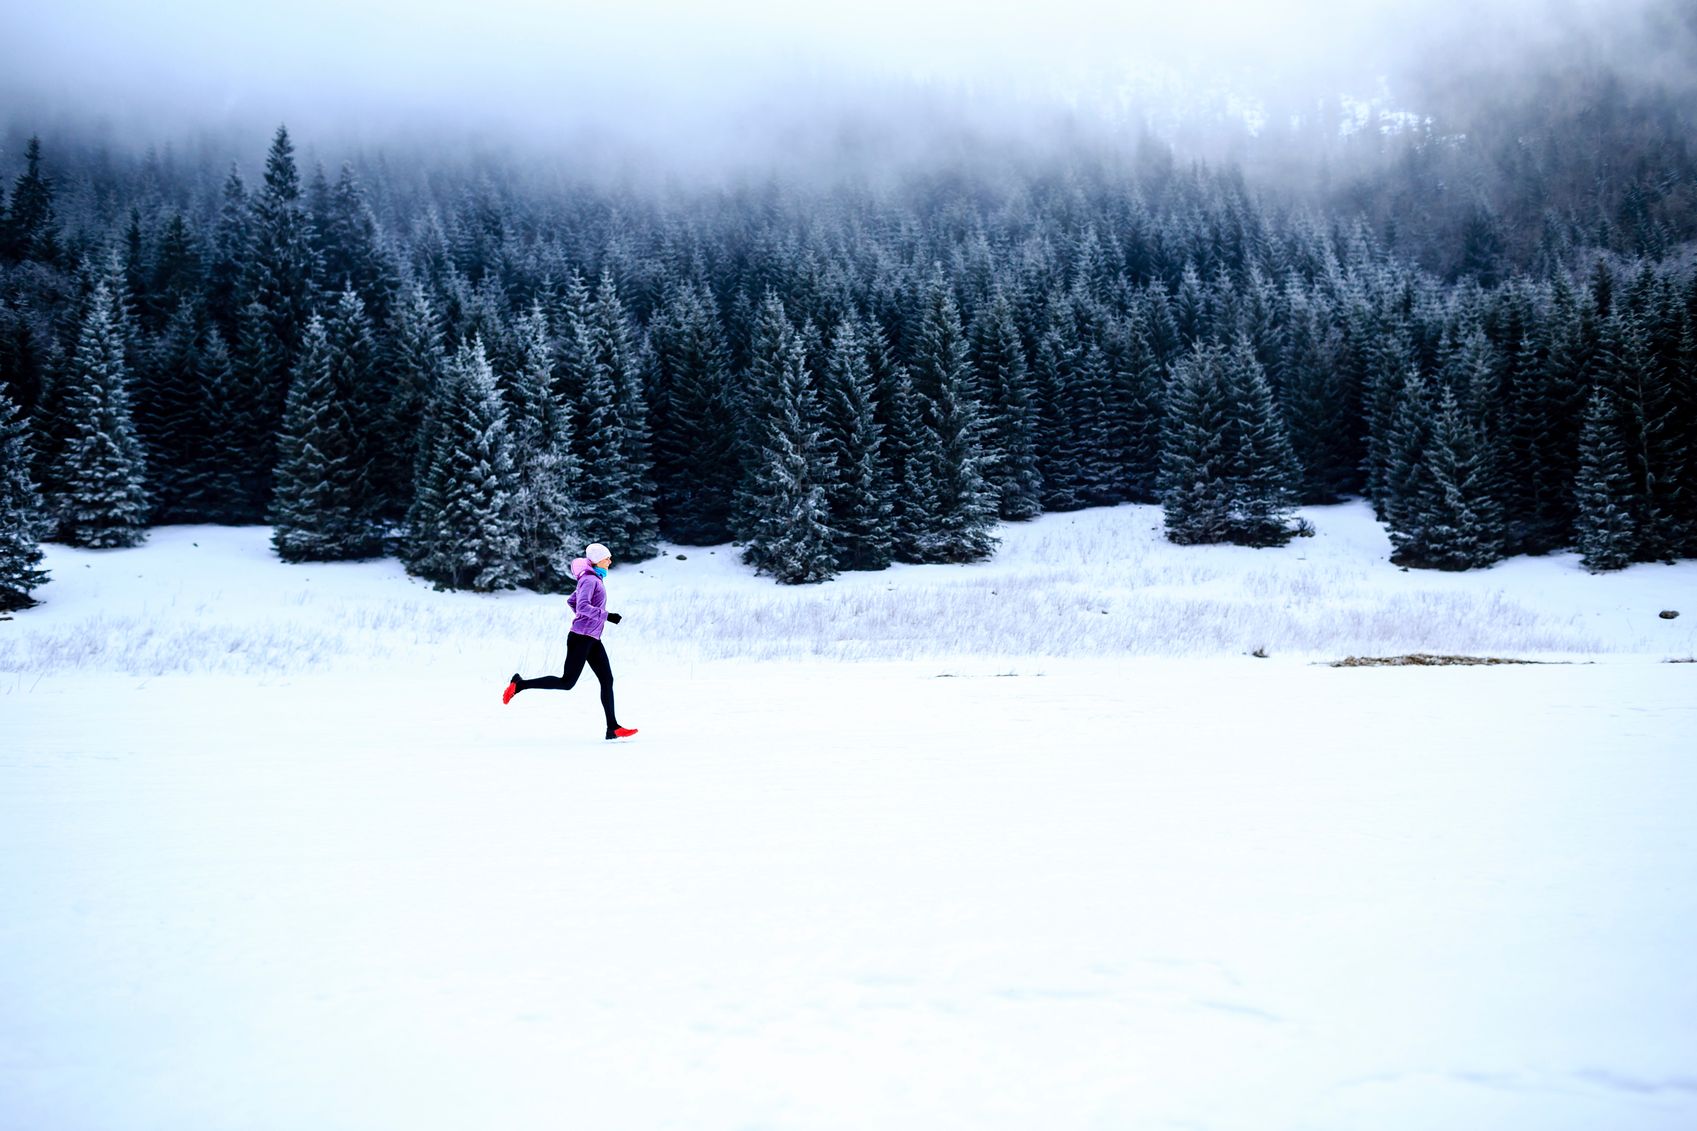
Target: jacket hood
x: 580, y: 566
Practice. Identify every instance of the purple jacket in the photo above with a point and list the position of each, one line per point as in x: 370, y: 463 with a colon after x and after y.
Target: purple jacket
x: 589, y: 602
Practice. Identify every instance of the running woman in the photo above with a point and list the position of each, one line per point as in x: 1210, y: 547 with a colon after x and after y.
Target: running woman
x: 583, y: 645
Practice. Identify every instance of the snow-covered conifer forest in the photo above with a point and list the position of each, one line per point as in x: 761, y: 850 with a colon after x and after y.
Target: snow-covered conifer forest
x: 475, y: 369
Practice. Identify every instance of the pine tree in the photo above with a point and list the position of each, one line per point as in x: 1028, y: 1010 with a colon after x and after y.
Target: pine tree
x: 1318, y: 400
x: 1011, y: 467
x: 170, y: 417
x: 960, y: 530
x: 227, y: 258
x: 20, y: 514
x: 255, y: 414
x: 364, y: 388
x: 1227, y: 470
x: 1406, y: 477
x: 616, y: 499
x: 279, y: 285
x: 413, y: 358
x: 545, y: 467
x: 1060, y: 447
x: 102, y: 471
x: 789, y: 531
x: 695, y: 445
x: 1133, y: 421
x: 463, y: 529
x: 318, y: 512
x: 30, y: 231
x: 211, y: 484
x: 1605, y: 532
x: 1643, y: 395
x: 1461, y: 520
x: 1266, y: 469
x: 1196, y: 472
x: 859, y: 494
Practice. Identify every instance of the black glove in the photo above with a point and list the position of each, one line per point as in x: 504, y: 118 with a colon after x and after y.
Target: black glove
x: 614, y: 617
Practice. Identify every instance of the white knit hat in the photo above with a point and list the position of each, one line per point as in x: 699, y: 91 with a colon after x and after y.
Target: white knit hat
x: 597, y: 553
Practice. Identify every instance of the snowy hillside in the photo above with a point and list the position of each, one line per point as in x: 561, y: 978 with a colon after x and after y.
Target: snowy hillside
x: 1054, y: 851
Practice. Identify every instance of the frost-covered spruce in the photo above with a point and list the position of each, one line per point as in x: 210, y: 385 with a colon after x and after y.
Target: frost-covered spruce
x: 318, y: 512
x: 1605, y: 534
x: 616, y: 493
x: 1011, y: 424
x: 101, y: 470
x: 211, y: 480
x: 695, y: 443
x: 1195, y: 482
x: 1228, y: 473
x: 545, y: 467
x: 789, y: 533
x: 1460, y: 518
x: 463, y: 526
x: 413, y: 356
x: 960, y: 527
x: 20, y: 514
x: 1267, y: 473
x: 1058, y: 358
x: 859, y: 493
x: 1405, y: 474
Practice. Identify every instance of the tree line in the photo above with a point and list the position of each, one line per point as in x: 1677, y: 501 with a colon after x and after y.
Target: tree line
x: 480, y: 372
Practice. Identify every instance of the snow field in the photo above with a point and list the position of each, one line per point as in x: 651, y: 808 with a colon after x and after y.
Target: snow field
x: 274, y: 855
x: 834, y: 896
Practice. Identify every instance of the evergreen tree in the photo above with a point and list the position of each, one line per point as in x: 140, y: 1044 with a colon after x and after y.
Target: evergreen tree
x: 1266, y: 469
x: 211, y: 488
x: 789, y: 531
x: 463, y: 527
x: 1133, y: 420
x: 227, y: 258
x: 1460, y: 520
x: 960, y: 528
x: 616, y: 499
x: 1011, y: 465
x: 1604, y: 528
x: 30, y: 231
x: 1196, y: 452
x: 20, y: 514
x: 1060, y: 445
x: 1317, y: 399
x: 102, y: 471
x: 859, y: 494
x: 319, y: 510
x: 364, y: 386
x: 413, y: 358
x: 280, y: 285
x: 695, y: 445
x: 545, y: 467
x: 1406, y: 483
x: 1643, y: 396
x: 175, y: 276
x: 1227, y: 470
x: 170, y: 417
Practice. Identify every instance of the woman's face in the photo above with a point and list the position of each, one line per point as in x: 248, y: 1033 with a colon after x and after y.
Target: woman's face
x: 605, y: 563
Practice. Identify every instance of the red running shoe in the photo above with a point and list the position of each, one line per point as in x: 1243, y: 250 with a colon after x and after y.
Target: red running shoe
x: 621, y: 732
x: 512, y: 690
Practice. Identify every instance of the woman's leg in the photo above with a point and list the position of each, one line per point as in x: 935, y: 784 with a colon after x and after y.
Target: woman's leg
x: 603, y: 669
x: 577, y: 653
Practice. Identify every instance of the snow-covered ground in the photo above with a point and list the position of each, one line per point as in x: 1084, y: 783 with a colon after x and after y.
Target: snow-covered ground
x: 1028, y: 844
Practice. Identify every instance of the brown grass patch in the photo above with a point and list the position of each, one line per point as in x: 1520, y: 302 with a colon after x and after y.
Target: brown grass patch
x: 1424, y: 660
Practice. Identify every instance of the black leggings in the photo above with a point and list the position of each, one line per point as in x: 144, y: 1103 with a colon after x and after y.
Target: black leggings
x: 581, y: 650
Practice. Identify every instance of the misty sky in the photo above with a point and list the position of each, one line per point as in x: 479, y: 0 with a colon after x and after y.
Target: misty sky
x: 677, y: 70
